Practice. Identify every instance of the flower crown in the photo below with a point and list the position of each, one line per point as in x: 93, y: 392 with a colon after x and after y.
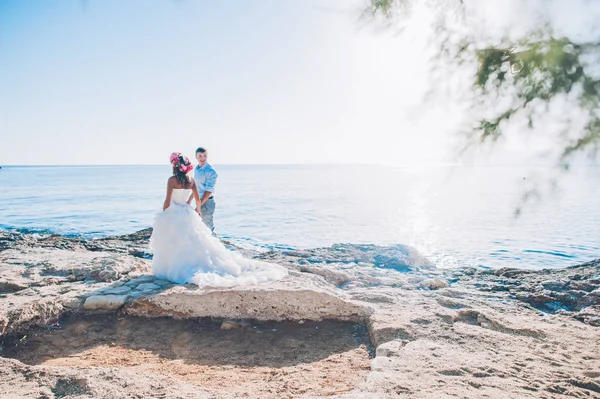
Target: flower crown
x: 179, y: 162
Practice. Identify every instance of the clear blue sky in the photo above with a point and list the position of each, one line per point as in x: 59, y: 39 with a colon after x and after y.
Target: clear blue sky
x: 255, y: 81
x: 263, y: 81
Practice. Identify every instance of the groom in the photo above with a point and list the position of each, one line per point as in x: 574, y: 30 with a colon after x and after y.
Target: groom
x: 206, y: 178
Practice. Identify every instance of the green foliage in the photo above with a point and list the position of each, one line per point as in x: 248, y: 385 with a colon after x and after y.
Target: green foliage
x: 539, y: 72
x: 531, y: 72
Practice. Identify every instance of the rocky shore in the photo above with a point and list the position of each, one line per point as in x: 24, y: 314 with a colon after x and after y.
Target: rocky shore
x: 86, y: 319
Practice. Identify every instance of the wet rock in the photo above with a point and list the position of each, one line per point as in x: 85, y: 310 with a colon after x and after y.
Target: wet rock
x: 556, y: 306
x: 588, y: 286
x: 589, y: 315
x: 117, y: 290
x: 9, y: 240
x: 498, y: 287
x: 141, y: 236
x: 588, y: 300
x: 555, y: 285
x: 570, y: 299
x: 511, y: 273
x: 162, y: 283
x: 147, y: 287
x: 143, y: 279
x: 535, y: 299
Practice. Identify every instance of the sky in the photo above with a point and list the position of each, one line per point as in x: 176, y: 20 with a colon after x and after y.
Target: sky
x: 254, y: 81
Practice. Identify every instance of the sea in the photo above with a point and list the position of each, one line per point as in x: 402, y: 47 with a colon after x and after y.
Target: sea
x: 455, y: 215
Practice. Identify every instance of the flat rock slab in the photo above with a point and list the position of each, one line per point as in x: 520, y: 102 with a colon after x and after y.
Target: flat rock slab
x: 43, y: 266
x: 104, y: 302
x: 297, y: 297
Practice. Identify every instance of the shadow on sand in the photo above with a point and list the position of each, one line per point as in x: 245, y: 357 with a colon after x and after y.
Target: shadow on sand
x: 199, y: 342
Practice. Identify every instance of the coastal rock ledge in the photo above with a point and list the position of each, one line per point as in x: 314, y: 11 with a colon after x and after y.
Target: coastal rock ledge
x: 86, y: 319
x: 297, y: 297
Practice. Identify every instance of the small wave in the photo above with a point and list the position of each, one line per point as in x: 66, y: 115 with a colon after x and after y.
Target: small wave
x: 553, y: 253
x: 402, y: 258
x: 25, y: 230
x: 49, y: 232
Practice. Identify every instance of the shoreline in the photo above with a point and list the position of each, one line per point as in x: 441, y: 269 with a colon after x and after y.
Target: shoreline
x: 468, y: 332
x: 141, y: 236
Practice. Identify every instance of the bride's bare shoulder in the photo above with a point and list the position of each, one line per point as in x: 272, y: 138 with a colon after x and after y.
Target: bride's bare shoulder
x: 172, y: 181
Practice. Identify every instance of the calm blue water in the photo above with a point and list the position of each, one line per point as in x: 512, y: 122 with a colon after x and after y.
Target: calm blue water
x: 456, y: 216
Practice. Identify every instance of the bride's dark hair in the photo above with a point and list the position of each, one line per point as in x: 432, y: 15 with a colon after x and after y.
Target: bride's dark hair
x: 181, y: 167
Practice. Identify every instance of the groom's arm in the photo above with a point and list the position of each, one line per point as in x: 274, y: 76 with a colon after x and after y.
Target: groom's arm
x: 209, y: 186
x: 205, y: 197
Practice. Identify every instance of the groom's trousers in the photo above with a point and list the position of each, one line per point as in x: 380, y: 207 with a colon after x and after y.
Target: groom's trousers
x: 208, y: 210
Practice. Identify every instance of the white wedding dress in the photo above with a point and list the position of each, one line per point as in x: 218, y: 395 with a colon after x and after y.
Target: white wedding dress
x: 185, y: 251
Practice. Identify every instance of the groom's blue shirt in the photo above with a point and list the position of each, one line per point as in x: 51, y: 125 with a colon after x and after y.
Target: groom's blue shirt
x: 206, y: 179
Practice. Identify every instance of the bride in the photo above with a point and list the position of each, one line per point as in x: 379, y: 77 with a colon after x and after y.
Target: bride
x: 185, y: 251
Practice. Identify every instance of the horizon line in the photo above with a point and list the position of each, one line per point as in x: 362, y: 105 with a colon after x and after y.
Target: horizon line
x: 231, y: 164
x: 432, y: 164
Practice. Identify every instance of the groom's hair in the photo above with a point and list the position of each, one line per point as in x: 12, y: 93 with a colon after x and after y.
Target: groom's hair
x: 200, y: 149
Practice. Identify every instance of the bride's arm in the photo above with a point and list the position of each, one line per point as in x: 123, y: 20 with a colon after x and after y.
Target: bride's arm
x: 169, y: 193
x: 195, y: 194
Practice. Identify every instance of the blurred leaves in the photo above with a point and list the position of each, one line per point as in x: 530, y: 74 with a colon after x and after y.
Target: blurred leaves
x: 539, y: 71
x: 517, y: 77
